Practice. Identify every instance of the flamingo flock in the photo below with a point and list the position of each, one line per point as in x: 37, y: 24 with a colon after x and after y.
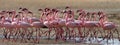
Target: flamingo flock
x: 61, y: 24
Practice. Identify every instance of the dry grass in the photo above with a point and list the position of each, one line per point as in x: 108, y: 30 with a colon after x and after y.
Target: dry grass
x: 111, y: 7
x: 75, y: 4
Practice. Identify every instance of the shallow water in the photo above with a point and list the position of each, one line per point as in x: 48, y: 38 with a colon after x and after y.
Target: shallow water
x: 103, y: 42
x: 87, y: 41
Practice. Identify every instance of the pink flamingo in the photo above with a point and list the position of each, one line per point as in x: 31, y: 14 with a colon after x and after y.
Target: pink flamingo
x: 8, y: 26
x: 47, y: 23
x: 70, y: 22
x: 7, y: 22
x: 110, y: 27
x: 55, y: 22
x: 37, y: 24
x: 87, y: 23
x: 24, y: 24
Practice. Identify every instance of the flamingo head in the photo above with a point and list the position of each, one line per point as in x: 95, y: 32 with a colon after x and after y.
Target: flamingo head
x: 20, y: 13
x: 70, y: 12
x: 57, y: 10
x: 47, y: 9
x: 20, y: 8
x: 80, y: 14
x: 4, y: 11
x: 2, y: 17
x: 67, y: 7
x: 88, y: 13
x: 64, y: 11
x: 93, y: 13
x: 101, y: 17
x: 24, y: 9
x: 13, y: 12
x: 16, y: 15
x: 79, y: 10
x: 53, y: 10
x: 29, y: 12
x: 40, y: 10
x: 10, y: 12
x: 100, y: 13
x: 47, y: 14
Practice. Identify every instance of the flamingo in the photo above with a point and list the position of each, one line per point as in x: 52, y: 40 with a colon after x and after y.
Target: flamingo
x: 110, y: 27
x: 23, y: 24
x: 88, y: 23
x: 36, y: 23
x: 7, y: 22
x: 70, y: 21
x: 55, y: 22
x: 8, y: 26
x: 48, y: 23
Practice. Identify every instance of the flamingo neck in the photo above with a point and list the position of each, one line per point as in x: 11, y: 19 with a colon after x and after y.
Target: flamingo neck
x: 3, y: 20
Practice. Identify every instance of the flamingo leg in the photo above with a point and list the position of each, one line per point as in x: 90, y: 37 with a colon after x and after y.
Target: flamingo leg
x: 57, y: 34
x: 4, y: 34
x: 49, y: 31
x: 79, y: 32
x: 61, y: 33
x: 67, y: 32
